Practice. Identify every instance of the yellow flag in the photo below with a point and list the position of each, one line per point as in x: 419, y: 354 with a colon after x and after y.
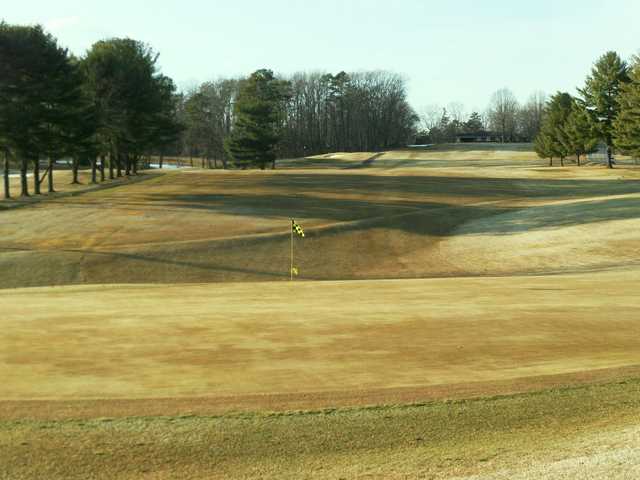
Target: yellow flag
x: 297, y: 228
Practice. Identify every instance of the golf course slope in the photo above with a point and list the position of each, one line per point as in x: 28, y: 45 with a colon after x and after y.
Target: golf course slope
x: 375, y: 222
x: 460, y: 312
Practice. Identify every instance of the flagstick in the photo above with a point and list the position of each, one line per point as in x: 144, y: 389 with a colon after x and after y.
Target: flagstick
x: 291, y: 268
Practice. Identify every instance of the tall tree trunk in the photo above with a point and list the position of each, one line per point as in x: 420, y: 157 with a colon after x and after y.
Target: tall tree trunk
x: 24, y: 186
x: 119, y: 164
x: 111, y: 172
x: 161, y: 160
x: 75, y: 164
x: 7, y: 191
x: 551, y: 161
x: 609, y: 157
x: 50, y: 179
x: 36, y: 175
x: 191, y: 159
x: 103, y: 159
x: 111, y: 155
x: 127, y: 164
x: 93, y: 161
x: 578, y: 157
x: 134, y: 164
x: 562, y: 161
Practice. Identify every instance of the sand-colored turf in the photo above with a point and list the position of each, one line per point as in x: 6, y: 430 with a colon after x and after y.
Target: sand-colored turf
x: 240, y: 339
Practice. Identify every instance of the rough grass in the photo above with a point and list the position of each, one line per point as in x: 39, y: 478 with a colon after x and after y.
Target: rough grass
x: 432, y: 440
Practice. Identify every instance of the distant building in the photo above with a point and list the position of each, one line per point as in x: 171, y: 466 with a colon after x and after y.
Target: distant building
x: 478, y: 137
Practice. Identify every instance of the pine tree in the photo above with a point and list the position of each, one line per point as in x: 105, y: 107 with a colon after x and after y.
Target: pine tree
x: 36, y: 89
x: 552, y: 140
x: 543, y: 145
x: 62, y: 113
x: 82, y: 131
x: 626, y: 127
x: 601, y: 92
x: 580, y: 132
x: 255, y: 135
x: 21, y: 91
x: 129, y: 95
x: 474, y: 124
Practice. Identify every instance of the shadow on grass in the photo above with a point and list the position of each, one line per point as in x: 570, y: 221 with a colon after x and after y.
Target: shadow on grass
x: 412, y: 216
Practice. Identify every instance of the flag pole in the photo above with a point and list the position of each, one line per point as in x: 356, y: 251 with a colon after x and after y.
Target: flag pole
x: 291, y: 266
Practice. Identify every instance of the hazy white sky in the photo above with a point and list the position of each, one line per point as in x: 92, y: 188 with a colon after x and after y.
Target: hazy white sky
x: 449, y: 51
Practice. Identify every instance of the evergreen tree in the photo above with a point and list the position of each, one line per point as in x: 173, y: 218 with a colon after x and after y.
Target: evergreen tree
x: 626, y: 127
x: 580, y: 132
x: 165, y: 129
x: 257, y: 109
x: 601, y: 92
x: 21, y: 91
x: 131, y: 97
x: 64, y: 110
x: 543, y: 144
x: 474, y: 124
x: 83, y: 141
x: 36, y: 89
x: 552, y: 140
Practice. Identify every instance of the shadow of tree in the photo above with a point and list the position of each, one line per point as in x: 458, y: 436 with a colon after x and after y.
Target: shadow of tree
x: 422, y: 217
x: 370, y: 219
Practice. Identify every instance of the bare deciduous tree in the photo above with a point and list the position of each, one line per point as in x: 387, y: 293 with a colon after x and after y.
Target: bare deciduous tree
x: 503, y: 112
x: 530, y: 116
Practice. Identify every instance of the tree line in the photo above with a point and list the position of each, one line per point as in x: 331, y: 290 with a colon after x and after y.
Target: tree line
x: 297, y: 115
x: 505, y: 118
x: 106, y: 109
x: 112, y: 107
x: 606, y: 112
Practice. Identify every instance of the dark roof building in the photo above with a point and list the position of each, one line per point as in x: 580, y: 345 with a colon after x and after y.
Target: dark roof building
x: 477, y: 137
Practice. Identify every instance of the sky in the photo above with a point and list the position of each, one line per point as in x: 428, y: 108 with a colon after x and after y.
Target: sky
x: 460, y: 51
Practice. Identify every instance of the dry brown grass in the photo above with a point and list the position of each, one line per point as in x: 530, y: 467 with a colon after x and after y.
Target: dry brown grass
x: 544, y: 267
x: 201, y: 226
x: 195, y: 226
x: 265, y: 338
x: 571, y: 433
x: 62, y: 184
